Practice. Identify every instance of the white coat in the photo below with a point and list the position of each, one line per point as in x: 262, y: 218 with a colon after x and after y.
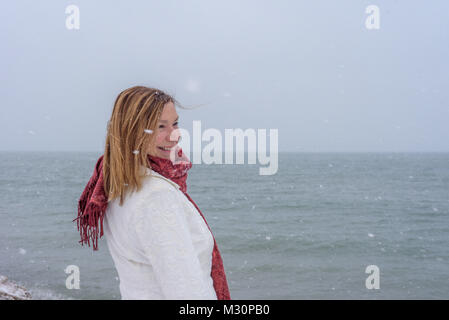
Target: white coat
x: 160, y: 244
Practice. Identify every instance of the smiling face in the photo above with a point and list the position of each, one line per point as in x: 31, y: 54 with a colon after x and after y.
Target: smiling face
x: 167, y: 133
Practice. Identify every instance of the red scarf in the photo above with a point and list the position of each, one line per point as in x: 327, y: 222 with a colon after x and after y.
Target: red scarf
x: 93, y: 203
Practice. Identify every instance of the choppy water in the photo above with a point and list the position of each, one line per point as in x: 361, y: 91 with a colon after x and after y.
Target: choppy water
x: 307, y: 232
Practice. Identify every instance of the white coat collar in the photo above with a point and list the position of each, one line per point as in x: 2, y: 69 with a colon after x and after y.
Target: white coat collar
x: 153, y: 173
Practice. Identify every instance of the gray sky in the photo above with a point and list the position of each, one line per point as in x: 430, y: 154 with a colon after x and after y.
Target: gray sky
x: 310, y: 69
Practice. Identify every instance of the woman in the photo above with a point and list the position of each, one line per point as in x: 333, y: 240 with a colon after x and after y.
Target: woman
x: 159, y: 240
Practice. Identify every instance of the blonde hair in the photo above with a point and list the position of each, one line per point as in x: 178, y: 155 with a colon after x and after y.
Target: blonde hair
x: 136, y: 111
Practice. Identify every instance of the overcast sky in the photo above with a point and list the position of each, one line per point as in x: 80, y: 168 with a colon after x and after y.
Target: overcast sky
x: 310, y: 69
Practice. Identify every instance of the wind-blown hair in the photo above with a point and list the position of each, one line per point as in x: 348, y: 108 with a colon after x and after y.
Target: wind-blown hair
x: 129, y: 136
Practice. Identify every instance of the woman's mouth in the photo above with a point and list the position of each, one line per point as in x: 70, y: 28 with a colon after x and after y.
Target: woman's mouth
x: 165, y: 149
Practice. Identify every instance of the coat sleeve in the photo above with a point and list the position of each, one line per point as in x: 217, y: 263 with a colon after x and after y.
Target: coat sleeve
x: 163, y: 233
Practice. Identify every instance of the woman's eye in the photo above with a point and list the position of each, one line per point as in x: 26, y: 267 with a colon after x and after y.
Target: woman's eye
x: 162, y: 126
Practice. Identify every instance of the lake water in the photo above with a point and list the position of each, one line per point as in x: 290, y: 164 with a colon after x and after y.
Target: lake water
x: 307, y: 232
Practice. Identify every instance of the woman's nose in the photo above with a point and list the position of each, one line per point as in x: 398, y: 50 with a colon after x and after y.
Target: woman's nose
x: 174, y: 135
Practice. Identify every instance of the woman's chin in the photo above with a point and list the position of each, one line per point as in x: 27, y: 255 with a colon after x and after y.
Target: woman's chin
x: 163, y: 154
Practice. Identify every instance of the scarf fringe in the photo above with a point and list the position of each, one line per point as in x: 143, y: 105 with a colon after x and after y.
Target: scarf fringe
x: 90, y: 224
x: 90, y: 215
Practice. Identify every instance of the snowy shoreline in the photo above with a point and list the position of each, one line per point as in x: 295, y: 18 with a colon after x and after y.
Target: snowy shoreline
x: 12, y: 291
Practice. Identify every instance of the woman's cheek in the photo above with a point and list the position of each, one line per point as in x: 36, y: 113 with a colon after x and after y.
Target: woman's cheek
x: 160, y: 138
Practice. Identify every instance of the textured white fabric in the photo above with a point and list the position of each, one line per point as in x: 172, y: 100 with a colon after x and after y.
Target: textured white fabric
x: 159, y: 243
